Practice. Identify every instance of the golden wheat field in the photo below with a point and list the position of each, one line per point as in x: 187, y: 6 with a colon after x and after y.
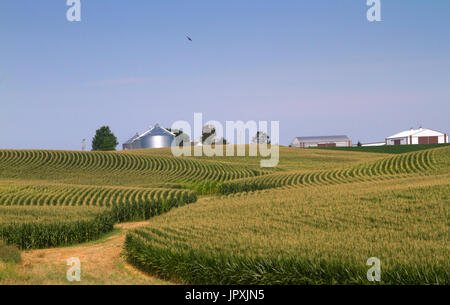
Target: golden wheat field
x: 314, y: 219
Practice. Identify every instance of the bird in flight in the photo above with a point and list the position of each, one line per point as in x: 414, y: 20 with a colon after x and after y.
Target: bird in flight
x: 189, y: 38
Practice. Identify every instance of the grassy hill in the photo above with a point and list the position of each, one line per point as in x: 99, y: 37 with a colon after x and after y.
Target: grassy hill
x: 315, y: 218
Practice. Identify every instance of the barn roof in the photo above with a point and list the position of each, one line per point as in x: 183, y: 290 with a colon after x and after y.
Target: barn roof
x: 405, y: 133
x: 411, y: 132
x: 339, y: 138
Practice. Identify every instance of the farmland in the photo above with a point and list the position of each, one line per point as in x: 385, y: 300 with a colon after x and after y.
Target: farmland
x: 390, y: 149
x: 314, y: 219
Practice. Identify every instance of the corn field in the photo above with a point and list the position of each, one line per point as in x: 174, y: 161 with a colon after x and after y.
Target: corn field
x: 392, y: 167
x: 322, y: 232
x: 44, y: 215
x: 67, y: 195
x: 50, y: 226
x: 314, y: 219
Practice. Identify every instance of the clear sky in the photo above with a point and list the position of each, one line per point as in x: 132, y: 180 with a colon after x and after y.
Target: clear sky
x: 317, y: 66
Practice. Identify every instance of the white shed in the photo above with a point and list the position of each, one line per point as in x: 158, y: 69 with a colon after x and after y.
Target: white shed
x: 418, y: 136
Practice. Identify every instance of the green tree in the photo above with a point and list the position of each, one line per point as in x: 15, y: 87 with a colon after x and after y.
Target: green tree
x: 261, y: 138
x: 208, y: 135
x: 181, y: 138
x: 104, y: 139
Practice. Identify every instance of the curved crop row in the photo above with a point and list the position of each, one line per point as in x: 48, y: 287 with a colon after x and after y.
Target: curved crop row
x: 200, y: 268
x: 31, y: 226
x: 38, y: 195
x: 297, y: 236
x: 168, y: 167
x: 36, y: 234
x: 410, y: 163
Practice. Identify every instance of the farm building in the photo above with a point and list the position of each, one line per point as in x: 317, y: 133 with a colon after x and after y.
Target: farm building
x: 417, y: 136
x: 322, y: 141
x: 373, y: 144
x: 155, y: 137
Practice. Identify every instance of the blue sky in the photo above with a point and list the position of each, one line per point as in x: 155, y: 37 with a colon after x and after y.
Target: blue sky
x: 317, y: 66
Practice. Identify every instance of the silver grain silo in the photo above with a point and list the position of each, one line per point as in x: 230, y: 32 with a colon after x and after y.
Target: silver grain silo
x: 136, y: 143
x: 156, y: 137
x: 129, y: 144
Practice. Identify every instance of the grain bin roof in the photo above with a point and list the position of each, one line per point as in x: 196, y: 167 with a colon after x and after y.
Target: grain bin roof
x: 131, y: 140
x: 153, y: 131
x: 159, y: 131
x: 339, y: 138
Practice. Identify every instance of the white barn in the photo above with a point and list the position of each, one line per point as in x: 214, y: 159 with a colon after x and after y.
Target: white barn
x: 417, y: 136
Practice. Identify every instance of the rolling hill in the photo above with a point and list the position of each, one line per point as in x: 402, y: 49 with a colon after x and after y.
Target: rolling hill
x: 314, y: 219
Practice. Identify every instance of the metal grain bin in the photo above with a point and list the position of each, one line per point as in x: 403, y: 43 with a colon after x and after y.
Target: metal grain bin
x: 130, y: 143
x: 157, y: 137
x: 136, y: 143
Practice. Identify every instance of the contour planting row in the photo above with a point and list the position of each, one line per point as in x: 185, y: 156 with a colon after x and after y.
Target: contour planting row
x: 35, y: 226
x: 179, y: 169
x: 50, y: 226
x: 303, y: 236
x: 39, y: 195
x: 419, y: 162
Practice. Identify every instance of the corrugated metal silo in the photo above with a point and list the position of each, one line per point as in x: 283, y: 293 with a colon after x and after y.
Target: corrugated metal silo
x: 157, y: 137
x: 130, y: 143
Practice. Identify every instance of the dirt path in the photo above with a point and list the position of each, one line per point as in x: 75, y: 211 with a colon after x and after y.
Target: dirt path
x: 101, y: 263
